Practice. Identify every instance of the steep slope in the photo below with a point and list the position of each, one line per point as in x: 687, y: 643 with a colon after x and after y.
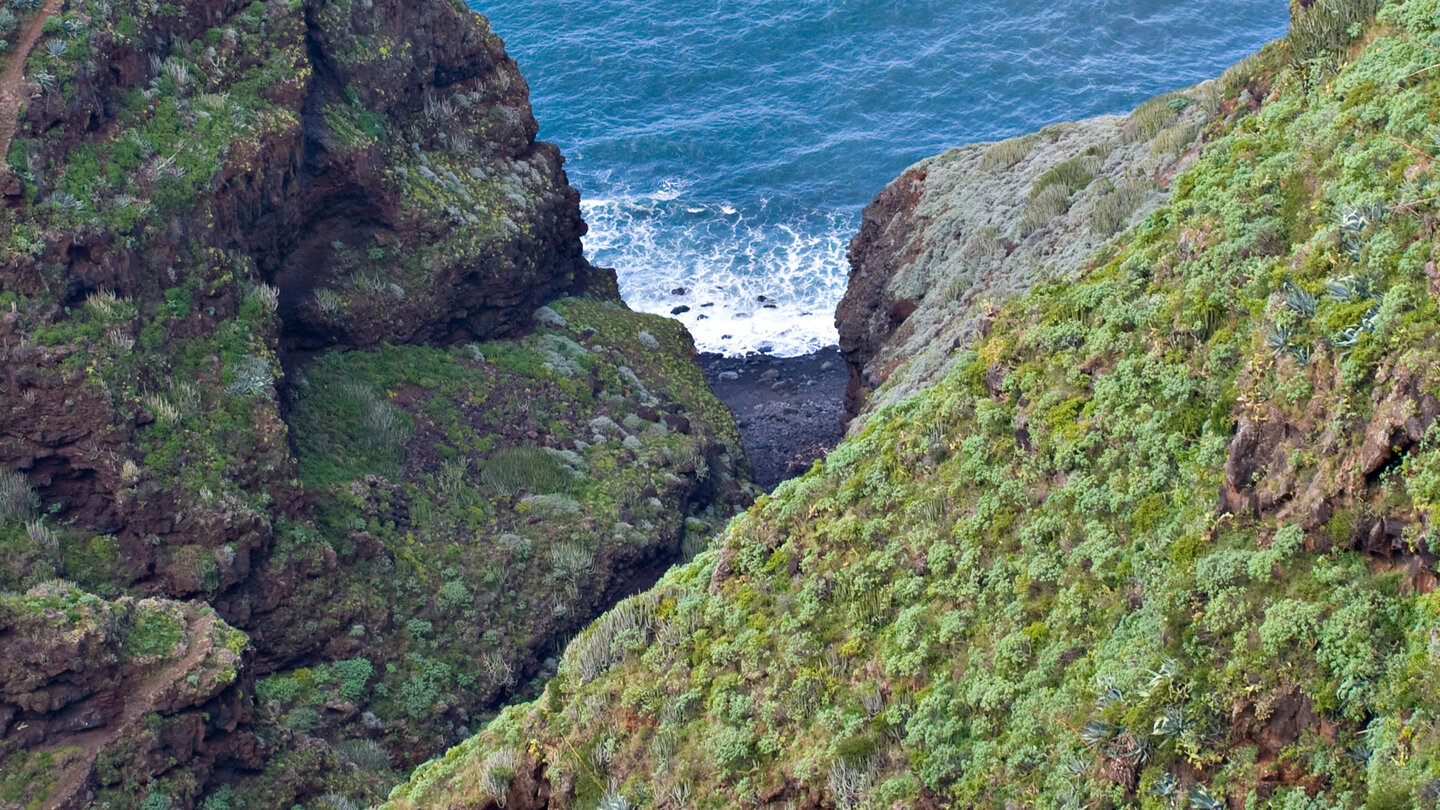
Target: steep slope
x: 480, y: 505
x: 1162, y: 537
x: 273, y: 339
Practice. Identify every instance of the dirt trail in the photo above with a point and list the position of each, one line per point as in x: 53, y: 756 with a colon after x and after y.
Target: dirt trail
x: 12, y: 81
x: 70, y: 790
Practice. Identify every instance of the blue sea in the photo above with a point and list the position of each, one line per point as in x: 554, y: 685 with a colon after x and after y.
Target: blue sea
x: 724, y: 148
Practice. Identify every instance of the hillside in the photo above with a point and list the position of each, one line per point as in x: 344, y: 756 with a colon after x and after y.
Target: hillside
x: 1159, y: 532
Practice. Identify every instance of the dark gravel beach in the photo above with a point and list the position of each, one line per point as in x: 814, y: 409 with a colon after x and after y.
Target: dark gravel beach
x: 790, y: 410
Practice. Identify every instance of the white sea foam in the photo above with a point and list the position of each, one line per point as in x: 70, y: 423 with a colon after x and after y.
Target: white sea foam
x: 753, y: 280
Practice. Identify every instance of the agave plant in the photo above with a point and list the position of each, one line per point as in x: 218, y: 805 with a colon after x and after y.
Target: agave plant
x: 1356, y: 218
x: 1166, y: 786
x: 1171, y: 723
x: 1349, y: 288
x: 1299, y: 301
x: 1277, y: 338
x: 614, y: 800
x: 1097, y: 732
x: 1203, y: 799
x: 1350, y: 337
x: 66, y: 201
x: 1301, y: 354
x: 57, y: 48
x: 1109, y: 694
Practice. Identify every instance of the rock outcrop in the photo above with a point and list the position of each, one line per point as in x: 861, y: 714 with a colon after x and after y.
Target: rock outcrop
x: 93, y: 692
x: 959, y: 234
x: 198, y: 192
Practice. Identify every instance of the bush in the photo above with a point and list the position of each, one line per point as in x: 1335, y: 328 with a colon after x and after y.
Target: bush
x: 1052, y: 202
x: 18, y: 501
x: 1327, y: 26
x: 1114, y: 208
x: 1071, y: 175
x: 1174, y: 140
x: 529, y: 469
x: 354, y: 676
x: 1152, y: 116
x: 1006, y: 154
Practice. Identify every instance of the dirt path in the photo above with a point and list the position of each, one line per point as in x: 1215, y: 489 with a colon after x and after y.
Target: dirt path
x: 12, y: 81
x: 70, y: 790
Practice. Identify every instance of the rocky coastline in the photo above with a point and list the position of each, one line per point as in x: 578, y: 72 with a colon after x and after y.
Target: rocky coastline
x: 790, y: 410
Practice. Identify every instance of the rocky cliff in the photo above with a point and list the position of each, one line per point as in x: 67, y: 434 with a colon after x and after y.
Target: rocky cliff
x: 195, y: 195
x: 957, y: 235
x: 1159, y: 532
x: 273, y: 340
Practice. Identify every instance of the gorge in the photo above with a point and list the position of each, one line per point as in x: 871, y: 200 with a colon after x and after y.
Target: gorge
x: 332, y: 474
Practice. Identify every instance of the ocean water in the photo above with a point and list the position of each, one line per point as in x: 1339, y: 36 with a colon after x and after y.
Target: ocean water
x: 724, y: 148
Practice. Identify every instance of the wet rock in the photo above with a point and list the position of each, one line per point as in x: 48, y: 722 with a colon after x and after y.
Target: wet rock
x: 680, y: 310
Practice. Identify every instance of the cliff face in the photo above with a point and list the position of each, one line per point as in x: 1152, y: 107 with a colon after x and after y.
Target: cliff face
x: 957, y: 235
x: 195, y: 193
x: 1162, y: 533
x: 272, y: 339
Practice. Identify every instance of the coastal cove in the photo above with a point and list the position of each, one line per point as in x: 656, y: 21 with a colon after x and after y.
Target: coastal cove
x: 727, y: 148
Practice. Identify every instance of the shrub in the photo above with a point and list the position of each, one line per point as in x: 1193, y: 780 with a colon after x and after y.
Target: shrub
x: 1006, y: 154
x: 553, y: 507
x: 1114, y: 208
x: 1072, y: 175
x: 1151, y: 117
x: 499, y: 771
x: 335, y: 801
x: 18, y: 501
x: 1327, y: 26
x: 354, y: 676
x: 571, y: 559
x: 530, y: 469
x: 1237, y: 76
x: 1050, y: 203
x: 367, y: 755
x: 251, y: 377
x: 1174, y: 140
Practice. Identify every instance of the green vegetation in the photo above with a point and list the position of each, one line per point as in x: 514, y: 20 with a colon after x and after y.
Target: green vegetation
x: 1051, y: 193
x: 468, y: 495
x: 446, y: 513
x: 1017, y: 588
x: 1005, y: 154
x: 1116, y: 204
